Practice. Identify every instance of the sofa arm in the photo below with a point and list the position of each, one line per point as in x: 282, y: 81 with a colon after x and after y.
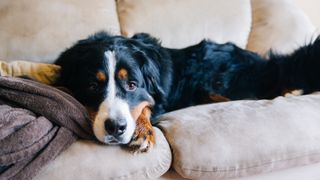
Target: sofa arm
x: 243, y: 138
x: 89, y: 160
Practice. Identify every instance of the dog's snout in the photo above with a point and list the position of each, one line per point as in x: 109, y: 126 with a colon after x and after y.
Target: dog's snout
x: 115, y: 127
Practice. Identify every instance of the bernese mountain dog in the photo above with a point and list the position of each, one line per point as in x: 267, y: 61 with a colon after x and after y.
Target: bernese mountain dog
x: 122, y: 80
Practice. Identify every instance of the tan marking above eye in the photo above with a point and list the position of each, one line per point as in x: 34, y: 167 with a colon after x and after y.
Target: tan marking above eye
x: 101, y: 76
x: 123, y: 74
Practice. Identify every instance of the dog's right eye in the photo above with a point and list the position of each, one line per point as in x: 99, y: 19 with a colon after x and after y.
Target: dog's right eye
x: 93, y: 86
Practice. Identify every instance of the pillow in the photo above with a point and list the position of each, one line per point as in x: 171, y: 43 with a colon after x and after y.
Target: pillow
x: 44, y: 73
x: 279, y: 25
x: 39, y: 30
x: 183, y: 23
x: 88, y: 160
x: 243, y: 138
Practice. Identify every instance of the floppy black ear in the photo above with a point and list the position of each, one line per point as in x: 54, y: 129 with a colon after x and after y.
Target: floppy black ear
x: 152, y: 77
x: 71, y: 57
x: 67, y: 63
x: 155, y: 87
x: 146, y: 38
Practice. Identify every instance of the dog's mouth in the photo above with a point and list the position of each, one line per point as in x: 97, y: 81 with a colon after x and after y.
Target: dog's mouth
x: 111, y: 140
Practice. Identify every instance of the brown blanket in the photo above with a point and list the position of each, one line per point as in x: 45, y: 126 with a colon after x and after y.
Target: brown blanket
x: 37, y: 122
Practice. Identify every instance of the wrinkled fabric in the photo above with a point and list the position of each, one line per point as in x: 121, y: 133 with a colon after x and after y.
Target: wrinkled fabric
x: 37, y: 122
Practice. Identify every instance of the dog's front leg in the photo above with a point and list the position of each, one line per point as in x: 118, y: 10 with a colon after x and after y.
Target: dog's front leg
x: 144, y: 136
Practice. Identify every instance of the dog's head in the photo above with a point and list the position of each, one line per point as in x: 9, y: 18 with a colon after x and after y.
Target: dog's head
x: 115, y: 78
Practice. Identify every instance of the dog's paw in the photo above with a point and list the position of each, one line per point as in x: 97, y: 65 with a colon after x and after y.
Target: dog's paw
x: 143, y: 139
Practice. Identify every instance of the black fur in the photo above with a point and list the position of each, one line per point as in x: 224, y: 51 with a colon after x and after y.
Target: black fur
x: 178, y: 78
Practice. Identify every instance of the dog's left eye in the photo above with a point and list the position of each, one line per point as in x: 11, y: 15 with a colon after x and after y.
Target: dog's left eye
x: 131, y: 86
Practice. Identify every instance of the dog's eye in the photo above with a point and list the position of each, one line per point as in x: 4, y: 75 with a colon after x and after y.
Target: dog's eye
x: 131, y: 86
x: 93, y: 86
x: 218, y: 83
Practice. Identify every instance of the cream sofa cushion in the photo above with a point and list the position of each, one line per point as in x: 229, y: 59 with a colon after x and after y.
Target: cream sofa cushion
x: 242, y: 138
x: 181, y: 23
x: 279, y: 25
x: 39, y: 30
x: 87, y: 160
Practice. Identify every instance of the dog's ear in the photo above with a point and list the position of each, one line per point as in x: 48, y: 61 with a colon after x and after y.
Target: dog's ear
x: 67, y: 63
x: 146, y: 38
x: 153, y: 82
x: 71, y: 57
x: 152, y: 76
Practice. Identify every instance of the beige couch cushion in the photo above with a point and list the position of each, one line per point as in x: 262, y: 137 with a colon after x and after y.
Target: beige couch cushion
x: 39, y: 30
x: 279, y: 25
x: 243, y: 138
x: 185, y: 22
x: 88, y: 160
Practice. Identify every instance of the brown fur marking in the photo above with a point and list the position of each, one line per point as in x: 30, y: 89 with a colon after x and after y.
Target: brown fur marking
x: 123, y: 74
x: 92, y: 113
x: 101, y: 76
x: 144, y: 128
x: 218, y: 98
x: 136, y: 111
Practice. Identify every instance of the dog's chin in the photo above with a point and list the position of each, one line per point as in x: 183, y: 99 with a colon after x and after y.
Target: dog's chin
x: 111, y: 140
x: 105, y: 138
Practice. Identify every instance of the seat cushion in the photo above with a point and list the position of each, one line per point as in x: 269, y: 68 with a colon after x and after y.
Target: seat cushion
x: 39, y: 30
x: 182, y: 23
x: 242, y: 138
x: 89, y: 160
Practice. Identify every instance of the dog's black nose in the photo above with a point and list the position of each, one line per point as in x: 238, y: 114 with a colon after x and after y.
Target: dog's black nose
x: 115, y: 128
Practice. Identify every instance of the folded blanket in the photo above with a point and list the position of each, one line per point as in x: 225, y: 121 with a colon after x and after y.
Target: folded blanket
x: 37, y: 122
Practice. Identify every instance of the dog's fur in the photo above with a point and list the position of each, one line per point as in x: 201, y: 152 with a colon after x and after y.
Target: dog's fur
x: 146, y: 76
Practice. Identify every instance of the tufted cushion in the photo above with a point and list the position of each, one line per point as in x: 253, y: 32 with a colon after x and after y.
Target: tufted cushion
x: 88, y: 160
x: 39, y: 30
x: 242, y: 138
x: 181, y: 23
x: 279, y: 25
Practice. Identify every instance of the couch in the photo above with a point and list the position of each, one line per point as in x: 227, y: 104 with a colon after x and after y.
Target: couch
x: 265, y: 139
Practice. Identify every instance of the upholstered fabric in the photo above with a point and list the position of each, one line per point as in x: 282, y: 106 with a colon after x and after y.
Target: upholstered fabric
x: 242, y: 138
x: 44, y: 73
x: 279, y: 25
x: 39, y: 30
x: 311, y: 9
x: 185, y: 22
x: 310, y: 172
x: 87, y: 160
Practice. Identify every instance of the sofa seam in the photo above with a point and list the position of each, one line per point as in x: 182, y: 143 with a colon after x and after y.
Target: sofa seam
x: 251, y: 167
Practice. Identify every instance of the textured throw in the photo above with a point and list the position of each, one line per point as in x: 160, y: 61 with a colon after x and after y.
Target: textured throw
x: 37, y: 122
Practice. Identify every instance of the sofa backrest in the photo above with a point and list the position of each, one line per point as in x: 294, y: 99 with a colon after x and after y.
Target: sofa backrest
x: 38, y: 30
x: 279, y: 25
x: 179, y: 23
